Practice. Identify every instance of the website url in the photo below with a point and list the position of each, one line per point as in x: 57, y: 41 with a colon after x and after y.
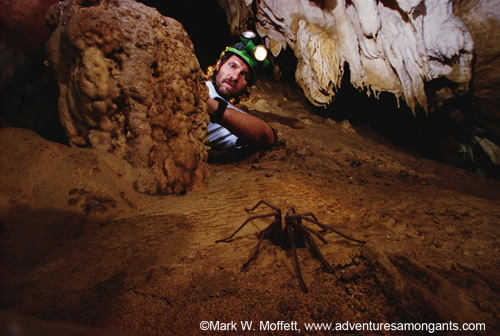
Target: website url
x: 401, y: 326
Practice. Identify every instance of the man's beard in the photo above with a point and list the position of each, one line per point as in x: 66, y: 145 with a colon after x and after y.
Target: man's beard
x: 227, y: 95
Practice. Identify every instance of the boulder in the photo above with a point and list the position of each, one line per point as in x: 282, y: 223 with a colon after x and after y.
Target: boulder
x: 130, y: 84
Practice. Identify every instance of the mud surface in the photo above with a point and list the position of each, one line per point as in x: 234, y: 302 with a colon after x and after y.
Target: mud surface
x: 432, y: 251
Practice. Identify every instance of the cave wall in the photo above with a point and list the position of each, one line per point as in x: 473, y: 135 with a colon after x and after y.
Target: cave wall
x: 483, y: 20
x: 27, y: 93
x: 23, y: 24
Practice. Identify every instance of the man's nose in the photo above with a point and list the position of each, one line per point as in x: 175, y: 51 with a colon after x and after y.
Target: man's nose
x: 233, y: 75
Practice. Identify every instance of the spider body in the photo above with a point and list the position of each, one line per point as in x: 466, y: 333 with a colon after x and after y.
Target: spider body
x: 290, y: 236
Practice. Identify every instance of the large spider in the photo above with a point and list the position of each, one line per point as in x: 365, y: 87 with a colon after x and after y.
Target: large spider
x: 294, y: 234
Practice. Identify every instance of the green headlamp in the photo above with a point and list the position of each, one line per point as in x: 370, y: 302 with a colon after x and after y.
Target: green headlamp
x: 254, y: 56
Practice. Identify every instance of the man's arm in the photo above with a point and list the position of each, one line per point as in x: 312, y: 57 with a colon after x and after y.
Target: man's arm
x: 245, y: 126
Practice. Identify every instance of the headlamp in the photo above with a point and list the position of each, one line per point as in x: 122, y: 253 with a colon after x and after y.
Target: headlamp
x: 254, y: 56
x: 248, y: 35
x: 260, y: 53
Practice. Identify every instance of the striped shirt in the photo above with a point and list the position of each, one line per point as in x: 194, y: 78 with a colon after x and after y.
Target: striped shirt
x: 219, y: 137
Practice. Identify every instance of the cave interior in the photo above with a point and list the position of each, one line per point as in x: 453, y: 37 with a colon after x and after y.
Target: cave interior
x: 28, y: 98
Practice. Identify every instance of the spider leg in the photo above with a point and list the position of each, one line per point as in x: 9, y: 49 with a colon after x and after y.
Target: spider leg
x: 264, y: 233
x: 313, y: 216
x: 325, y: 227
x: 288, y: 230
x: 317, y: 252
x: 298, y: 220
x: 305, y: 215
x: 290, y: 211
x: 320, y: 237
x: 275, y: 208
x: 228, y: 239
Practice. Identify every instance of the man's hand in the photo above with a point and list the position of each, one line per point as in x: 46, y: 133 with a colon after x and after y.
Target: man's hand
x: 248, y: 128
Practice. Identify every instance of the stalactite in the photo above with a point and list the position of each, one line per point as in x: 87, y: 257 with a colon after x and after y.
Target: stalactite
x: 393, y: 46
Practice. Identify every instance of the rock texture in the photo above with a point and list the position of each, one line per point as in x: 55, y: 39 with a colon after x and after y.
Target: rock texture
x: 23, y: 24
x: 393, y: 46
x: 51, y: 193
x: 482, y: 17
x: 131, y: 85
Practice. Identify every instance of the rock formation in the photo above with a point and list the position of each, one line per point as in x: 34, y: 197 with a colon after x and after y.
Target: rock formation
x: 131, y: 85
x: 393, y: 46
x: 52, y: 193
x: 482, y: 17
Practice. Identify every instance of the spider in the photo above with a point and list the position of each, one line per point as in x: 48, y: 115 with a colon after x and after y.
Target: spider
x: 294, y: 234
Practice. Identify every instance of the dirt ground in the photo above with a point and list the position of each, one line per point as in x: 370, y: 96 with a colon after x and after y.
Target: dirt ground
x: 150, y: 266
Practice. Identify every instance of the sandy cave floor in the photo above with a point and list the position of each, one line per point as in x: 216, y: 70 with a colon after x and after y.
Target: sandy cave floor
x: 432, y: 232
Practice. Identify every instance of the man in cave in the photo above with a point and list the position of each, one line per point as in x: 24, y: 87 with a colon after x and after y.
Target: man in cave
x: 237, y: 69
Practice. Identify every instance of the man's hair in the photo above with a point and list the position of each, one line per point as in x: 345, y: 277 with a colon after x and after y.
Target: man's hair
x: 212, y: 70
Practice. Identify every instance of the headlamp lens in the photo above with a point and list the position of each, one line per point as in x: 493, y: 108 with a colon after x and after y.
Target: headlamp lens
x: 260, y: 53
x: 248, y: 34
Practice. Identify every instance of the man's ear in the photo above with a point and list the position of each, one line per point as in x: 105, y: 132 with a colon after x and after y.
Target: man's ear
x: 218, y: 65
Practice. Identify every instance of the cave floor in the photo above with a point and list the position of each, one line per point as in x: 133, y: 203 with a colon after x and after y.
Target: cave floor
x: 432, y: 251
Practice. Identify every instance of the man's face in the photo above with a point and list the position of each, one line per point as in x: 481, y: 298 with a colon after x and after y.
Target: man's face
x: 232, y: 78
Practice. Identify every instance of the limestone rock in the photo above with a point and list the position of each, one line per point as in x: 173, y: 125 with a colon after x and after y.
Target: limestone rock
x: 482, y: 17
x: 393, y: 46
x: 130, y: 84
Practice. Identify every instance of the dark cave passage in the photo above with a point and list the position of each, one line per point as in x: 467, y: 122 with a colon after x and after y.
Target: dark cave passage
x: 442, y: 135
x: 204, y: 21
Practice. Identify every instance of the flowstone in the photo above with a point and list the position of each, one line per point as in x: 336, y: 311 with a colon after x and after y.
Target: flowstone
x: 389, y: 46
x: 130, y: 84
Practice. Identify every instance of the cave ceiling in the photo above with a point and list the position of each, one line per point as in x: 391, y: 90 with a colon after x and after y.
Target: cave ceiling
x: 389, y: 46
